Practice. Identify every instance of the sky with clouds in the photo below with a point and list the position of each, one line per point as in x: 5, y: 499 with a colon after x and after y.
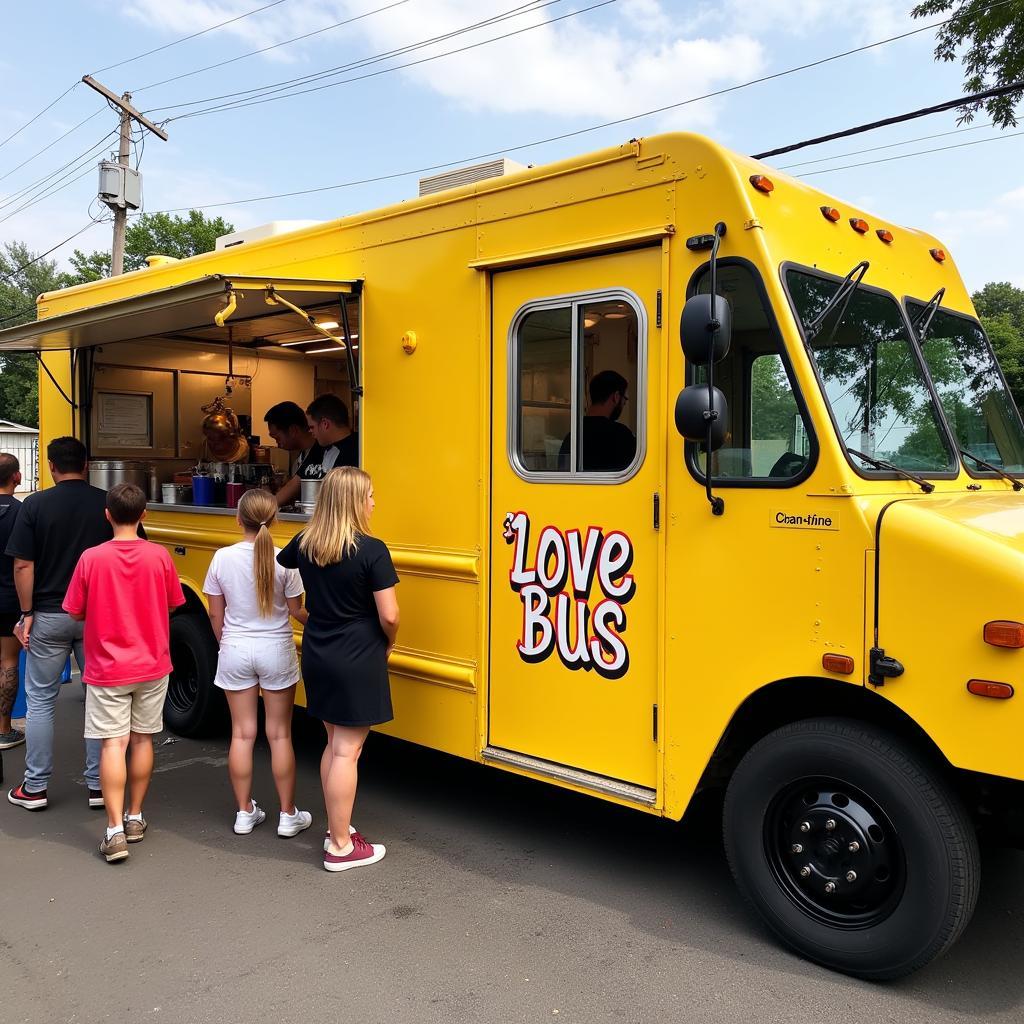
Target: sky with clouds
x: 376, y: 102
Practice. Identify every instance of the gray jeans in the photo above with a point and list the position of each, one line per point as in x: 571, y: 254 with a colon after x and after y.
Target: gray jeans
x: 54, y: 636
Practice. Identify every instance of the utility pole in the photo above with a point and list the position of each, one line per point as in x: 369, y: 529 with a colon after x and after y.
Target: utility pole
x: 128, y: 113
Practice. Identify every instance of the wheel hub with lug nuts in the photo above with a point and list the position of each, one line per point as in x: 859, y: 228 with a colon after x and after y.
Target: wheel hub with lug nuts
x: 835, y: 852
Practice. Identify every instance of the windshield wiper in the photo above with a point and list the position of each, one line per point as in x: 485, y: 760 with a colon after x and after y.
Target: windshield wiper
x: 927, y: 314
x: 1017, y: 485
x: 842, y: 294
x: 882, y: 464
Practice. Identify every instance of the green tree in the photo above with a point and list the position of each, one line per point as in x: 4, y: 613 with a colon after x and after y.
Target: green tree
x: 989, y: 39
x: 22, y: 278
x: 1001, y: 308
x: 154, y: 233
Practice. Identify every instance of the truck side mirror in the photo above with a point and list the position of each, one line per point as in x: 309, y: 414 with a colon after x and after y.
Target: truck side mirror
x: 705, y: 329
x: 695, y: 414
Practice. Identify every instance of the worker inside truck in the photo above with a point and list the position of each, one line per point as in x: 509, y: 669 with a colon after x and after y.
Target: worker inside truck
x: 329, y: 423
x: 288, y: 426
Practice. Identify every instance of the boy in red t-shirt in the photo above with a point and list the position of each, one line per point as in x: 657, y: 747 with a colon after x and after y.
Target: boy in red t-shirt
x: 124, y: 589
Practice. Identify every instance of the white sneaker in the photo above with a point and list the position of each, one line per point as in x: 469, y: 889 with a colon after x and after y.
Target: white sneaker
x: 327, y: 838
x: 292, y: 824
x: 246, y: 821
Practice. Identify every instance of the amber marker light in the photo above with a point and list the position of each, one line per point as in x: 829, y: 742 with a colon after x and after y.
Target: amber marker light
x: 939, y: 255
x: 860, y: 225
x: 830, y: 213
x: 762, y: 184
x: 884, y: 235
x: 1004, y: 633
x: 841, y: 663
x: 986, y: 688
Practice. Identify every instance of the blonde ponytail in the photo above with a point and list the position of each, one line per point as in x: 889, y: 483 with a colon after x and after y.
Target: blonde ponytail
x: 257, y: 510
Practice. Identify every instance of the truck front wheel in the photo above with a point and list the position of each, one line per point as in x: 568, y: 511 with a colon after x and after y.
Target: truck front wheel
x: 851, y: 847
x: 194, y: 706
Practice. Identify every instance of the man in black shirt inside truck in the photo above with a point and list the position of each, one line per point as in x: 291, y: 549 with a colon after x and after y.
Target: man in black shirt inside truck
x: 329, y: 421
x: 605, y: 445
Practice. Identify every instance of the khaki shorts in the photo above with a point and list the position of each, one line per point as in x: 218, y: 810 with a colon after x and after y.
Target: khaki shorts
x: 114, y: 711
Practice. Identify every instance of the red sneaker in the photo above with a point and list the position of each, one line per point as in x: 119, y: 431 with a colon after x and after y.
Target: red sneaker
x: 30, y: 801
x: 362, y: 853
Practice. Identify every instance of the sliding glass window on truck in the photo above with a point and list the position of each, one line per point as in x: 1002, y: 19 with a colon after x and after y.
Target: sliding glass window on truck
x: 578, y: 388
x: 869, y: 370
x: 768, y: 439
x: 971, y: 388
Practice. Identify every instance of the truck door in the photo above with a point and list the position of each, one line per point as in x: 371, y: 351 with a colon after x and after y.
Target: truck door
x: 577, y: 454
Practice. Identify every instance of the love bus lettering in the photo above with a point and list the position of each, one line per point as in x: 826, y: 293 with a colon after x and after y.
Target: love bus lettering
x: 555, y: 591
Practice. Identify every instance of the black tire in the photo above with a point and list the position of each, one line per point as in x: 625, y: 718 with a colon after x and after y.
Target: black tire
x: 819, y: 800
x: 194, y: 706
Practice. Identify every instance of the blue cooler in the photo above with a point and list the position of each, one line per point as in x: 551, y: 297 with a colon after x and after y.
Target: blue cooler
x: 18, y: 711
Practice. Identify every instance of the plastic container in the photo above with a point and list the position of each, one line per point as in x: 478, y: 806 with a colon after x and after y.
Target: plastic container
x: 233, y: 491
x: 202, y: 490
x: 18, y: 711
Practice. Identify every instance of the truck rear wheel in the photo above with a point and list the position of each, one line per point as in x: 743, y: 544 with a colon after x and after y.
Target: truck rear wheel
x: 851, y: 848
x: 194, y: 706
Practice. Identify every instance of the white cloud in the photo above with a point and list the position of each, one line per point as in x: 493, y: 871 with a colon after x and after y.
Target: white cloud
x: 604, y: 64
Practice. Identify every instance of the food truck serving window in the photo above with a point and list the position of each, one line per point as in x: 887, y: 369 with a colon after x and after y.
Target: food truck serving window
x: 577, y: 388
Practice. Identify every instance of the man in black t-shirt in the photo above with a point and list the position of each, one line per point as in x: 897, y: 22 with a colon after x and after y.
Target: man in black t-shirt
x: 329, y: 421
x: 54, y: 527
x: 10, y: 479
x: 605, y: 445
x: 287, y: 425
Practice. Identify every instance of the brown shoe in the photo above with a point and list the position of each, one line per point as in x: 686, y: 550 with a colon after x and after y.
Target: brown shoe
x: 115, y: 848
x: 134, y: 830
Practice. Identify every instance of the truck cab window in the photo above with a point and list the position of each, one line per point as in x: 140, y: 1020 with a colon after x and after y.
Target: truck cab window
x: 767, y: 438
x: 974, y: 396
x: 579, y: 401
x: 871, y: 376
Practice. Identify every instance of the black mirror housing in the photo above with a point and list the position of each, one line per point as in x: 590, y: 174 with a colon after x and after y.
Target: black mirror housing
x: 692, y: 407
x: 705, y: 337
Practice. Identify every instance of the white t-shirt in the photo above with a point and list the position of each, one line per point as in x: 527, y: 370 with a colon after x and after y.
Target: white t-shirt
x: 231, y: 575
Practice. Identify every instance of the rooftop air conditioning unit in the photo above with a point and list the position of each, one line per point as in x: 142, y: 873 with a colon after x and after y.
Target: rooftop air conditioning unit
x: 260, y: 231
x: 467, y: 175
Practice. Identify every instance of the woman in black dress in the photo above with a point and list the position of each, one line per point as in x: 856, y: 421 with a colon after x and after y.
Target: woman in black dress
x: 353, y: 620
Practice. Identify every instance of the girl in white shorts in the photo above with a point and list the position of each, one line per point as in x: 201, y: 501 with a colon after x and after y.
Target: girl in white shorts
x: 251, y: 598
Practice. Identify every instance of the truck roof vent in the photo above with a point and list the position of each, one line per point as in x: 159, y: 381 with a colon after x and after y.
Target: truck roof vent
x: 260, y: 231
x: 467, y: 175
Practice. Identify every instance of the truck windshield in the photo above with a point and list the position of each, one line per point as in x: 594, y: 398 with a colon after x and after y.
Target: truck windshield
x: 973, y: 393
x: 872, y: 378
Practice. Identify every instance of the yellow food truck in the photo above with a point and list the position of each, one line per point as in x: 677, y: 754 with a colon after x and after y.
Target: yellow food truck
x: 695, y: 477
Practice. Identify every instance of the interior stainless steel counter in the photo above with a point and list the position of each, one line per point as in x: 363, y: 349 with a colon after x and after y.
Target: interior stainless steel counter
x: 217, y: 510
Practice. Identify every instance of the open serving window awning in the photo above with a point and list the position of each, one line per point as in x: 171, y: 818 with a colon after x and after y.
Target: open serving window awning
x: 189, y: 312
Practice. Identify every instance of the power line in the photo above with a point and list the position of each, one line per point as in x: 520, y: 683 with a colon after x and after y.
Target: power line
x: 935, y: 108
x: 52, y: 144
x: 51, y: 191
x: 32, y: 120
x: 904, y: 156
x: 185, y: 39
x: 35, y: 259
x: 277, y: 87
x: 274, y: 46
x: 92, y: 151
x: 891, y: 145
x: 565, y: 135
x: 18, y: 315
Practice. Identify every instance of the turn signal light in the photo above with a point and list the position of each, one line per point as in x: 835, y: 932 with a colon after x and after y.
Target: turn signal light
x: 830, y: 213
x: 986, y: 688
x: 761, y: 183
x: 884, y: 235
x: 1004, y: 633
x: 860, y: 225
x: 939, y: 255
x: 841, y: 663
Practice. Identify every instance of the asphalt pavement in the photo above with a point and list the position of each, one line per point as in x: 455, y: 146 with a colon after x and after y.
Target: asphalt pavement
x: 500, y: 899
